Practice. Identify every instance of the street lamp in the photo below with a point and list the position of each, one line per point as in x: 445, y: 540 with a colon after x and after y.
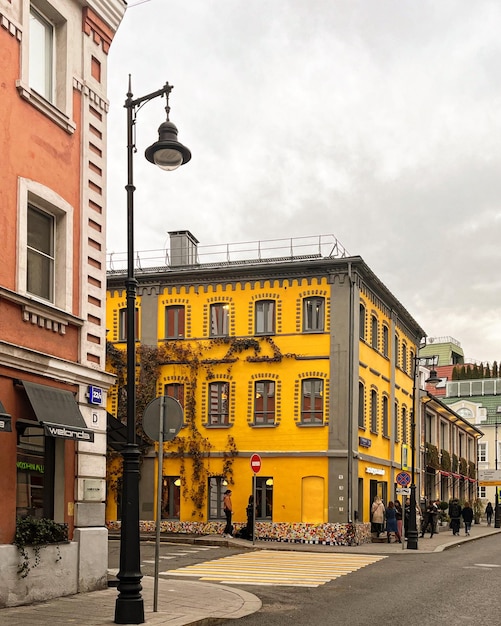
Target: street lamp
x: 168, y: 154
x: 433, y: 379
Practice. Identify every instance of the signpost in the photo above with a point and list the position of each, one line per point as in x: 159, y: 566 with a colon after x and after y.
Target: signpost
x: 255, y: 463
x: 162, y: 420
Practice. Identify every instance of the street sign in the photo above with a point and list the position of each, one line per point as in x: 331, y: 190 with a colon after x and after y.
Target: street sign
x: 255, y: 463
x: 165, y: 414
x: 489, y: 477
x: 404, y: 491
x: 403, y: 479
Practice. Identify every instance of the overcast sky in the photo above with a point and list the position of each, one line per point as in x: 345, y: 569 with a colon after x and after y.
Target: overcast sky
x: 376, y: 121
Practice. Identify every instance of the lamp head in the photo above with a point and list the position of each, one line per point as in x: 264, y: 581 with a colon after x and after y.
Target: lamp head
x: 433, y: 379
x: 168, y: 153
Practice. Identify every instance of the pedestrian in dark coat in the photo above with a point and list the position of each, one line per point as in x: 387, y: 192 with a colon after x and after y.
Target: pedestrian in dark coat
x: 429, y: 520
x: 467, y: 515
x: 489, y: 512
x: 391, y: 522
x: 455, y: 515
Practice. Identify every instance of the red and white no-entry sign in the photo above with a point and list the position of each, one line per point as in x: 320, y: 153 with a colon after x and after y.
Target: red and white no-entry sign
x: 255, y: 463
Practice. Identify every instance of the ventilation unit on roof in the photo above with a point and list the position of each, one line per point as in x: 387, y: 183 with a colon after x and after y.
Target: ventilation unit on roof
x: 498, y: 409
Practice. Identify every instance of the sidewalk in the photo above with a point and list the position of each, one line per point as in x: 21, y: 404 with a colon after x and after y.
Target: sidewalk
x: 183, y: 603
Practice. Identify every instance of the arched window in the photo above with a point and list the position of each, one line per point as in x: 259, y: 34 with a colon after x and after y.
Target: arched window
x: 374, y: 411
x: 374, y: 332
x: 361, y: 405
x: 361, y: 330
x: 264, y: 402
x: 265, y: 317
x: 385, y: 416
x: 312, y: 401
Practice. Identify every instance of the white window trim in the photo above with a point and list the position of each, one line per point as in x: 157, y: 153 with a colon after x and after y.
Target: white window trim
x: 61, y: 110
x: 36, y: 194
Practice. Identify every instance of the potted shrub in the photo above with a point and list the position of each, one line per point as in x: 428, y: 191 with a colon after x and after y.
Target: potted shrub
x: 36, y: 533
x: 478, y: 509
x: 442, y: 516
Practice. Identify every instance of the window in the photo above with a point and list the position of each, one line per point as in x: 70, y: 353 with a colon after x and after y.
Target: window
x: 361, y: 329
x: 313, y: 314
x: 361, y: 405
x: 482, y: 452
x: 385, y: 416
x: 122, y: 325
x: 176, y: 391
x: 264, y: 497
x: 265, y: 317
x: 312, y: 405
x: 174, y: 322
x: 264, y: 402
x: 395, y: 426
x: 481, y: 492
x: 404, y: 425
x: 40, y: 254
x: 385, y: 340
x: 41, y: 55
x: 397, y: 354
x: 45, y: 245
x: 374, y: 411
x: 404, y: 357
x: 219, y: 320
x: 171, y: 497
x: 217, y: 487
x: 374, y: 332
x: 218, y: 404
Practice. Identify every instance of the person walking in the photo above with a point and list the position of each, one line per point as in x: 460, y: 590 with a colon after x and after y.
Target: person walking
x: 429, y: 520
x: 467, y: 515
x: 228, y: 511
x: 455, y: 515
x: 399, y: 515
x: 391, y: 522
x: 489, y: 511
x: 377, y: 515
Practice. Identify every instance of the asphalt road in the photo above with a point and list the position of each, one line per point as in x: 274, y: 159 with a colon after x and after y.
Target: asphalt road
x: 458, y: 586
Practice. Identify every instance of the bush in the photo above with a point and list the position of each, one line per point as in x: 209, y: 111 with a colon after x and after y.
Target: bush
x: 37, y: 533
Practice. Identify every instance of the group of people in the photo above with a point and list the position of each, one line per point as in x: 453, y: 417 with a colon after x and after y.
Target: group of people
x: 392, y: 517
x: 247, y: 531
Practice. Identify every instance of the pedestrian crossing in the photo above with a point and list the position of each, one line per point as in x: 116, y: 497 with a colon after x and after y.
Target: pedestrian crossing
x: 279, y: 568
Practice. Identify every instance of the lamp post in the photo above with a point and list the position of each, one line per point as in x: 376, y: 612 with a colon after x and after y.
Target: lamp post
x: 497, y: 512
x: 412, y: 530
x: 168, y: 154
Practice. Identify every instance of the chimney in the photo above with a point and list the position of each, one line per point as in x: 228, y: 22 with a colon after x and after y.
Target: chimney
x: 183, y: 248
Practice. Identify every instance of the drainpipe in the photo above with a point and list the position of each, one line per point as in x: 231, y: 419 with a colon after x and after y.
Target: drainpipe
x: 350, y: 397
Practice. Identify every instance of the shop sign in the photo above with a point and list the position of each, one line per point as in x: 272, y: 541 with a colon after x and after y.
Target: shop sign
x: 95, y: 395
x: 375, y: 471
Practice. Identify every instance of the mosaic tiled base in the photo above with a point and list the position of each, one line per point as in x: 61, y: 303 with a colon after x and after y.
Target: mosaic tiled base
x: 322, y: 534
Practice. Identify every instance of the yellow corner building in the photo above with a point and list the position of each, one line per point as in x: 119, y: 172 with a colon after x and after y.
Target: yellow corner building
x: 302, y: 357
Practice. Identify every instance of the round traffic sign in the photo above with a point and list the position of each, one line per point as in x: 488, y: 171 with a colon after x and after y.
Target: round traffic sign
x: 255, y: 463
x: 163, y: 413
x: 403, y: 479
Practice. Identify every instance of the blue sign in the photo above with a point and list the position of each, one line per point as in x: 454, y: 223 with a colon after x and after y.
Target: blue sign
x: 364, y: 442
x: 95, y: 395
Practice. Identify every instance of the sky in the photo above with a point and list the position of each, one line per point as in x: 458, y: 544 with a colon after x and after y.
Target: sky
x: 374, y: 121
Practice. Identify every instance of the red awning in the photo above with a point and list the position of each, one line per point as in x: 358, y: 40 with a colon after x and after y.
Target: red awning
x: 445, y: 473
x: 457, y: 475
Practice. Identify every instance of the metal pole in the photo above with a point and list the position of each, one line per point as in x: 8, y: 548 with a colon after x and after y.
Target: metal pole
x: 159, y: 498
x: 129, y: 607
x: 497, y: 512
x: 254, y: 508
x: 412, y: 531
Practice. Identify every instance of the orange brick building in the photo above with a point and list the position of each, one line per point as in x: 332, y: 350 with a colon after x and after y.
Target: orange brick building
x: 52, y: 285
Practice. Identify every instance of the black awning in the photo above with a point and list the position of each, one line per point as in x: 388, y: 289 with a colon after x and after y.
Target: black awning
x: 5, y: 420
x: 58, y: 412
x: 116, y: 433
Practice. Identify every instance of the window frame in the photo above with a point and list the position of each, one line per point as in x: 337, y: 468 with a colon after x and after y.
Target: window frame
x: 362, y: 322
x: 267, y: 416
x: 361, y: 404
x: 264, y: 506
x: 122, y: 324
x: 175, y: 319
x: 219, y: 323
x: 216, y: 488
x: 47, y: 55
x: 220, y: 417
x: 39, y: 260
x: 313, y: 322
x: 309, y: 415
x: 178, y: 391
x: 36, y: 195
x: 374, y: 332
x: 374, y: 411
x: 266, y: 322
x: 58, y: 107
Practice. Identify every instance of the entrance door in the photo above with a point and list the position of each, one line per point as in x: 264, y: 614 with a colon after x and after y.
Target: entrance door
x: 312, y: 500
